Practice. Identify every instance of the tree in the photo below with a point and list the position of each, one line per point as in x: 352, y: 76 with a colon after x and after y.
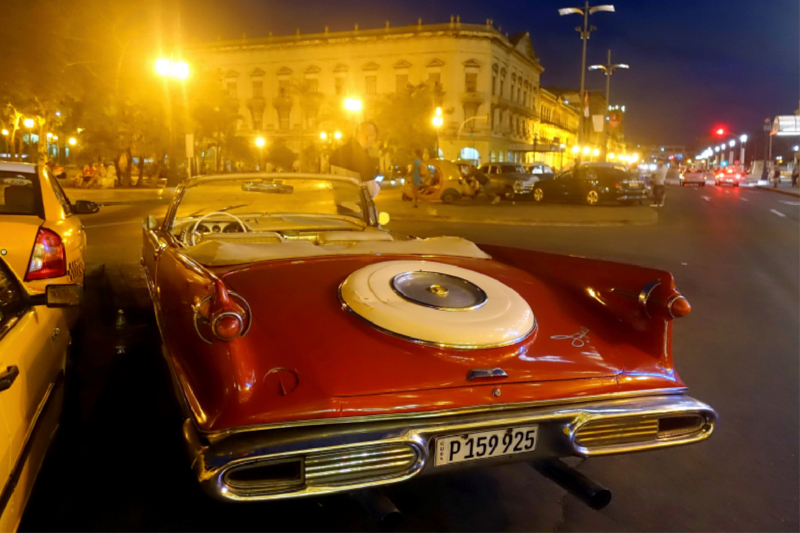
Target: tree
x: 404, y: 120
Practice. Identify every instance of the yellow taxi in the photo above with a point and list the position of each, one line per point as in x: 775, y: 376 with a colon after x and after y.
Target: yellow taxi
x: 41, y: 237
x: 33, y: 344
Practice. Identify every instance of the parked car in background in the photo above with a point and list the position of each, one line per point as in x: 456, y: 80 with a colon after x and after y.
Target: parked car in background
x: 728, y: 176
x: 510, y: 180
x: 592, y: 184
x: 541, y: 171
x: 445, y: 182
x: 693, y: 176
x: 426, y: 356
x: 34, y: 337
x: 41, y: 236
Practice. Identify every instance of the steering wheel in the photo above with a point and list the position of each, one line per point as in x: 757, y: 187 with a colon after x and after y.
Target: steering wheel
x: 193, y: 231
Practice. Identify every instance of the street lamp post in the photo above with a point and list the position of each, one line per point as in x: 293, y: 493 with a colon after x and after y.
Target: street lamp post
x: 608, y: 69
x: 717, y: 162
x: 437, y: 122
x: 5, y: 140
x: 167, y: 68
x: 28, y: 123
x: 731, y: 143
x: 584, y: 31
x: 743, y: 140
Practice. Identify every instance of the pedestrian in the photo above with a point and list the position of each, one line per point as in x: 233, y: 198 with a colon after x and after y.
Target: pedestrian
x: 659, y: 180
x: 353, y: 159
x: 416, y: 175
x: 485, y: 183
x: 776, y: 176
x: 795, y: 172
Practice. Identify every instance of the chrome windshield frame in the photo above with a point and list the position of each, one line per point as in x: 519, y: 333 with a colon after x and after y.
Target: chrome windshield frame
x: 368, y: 215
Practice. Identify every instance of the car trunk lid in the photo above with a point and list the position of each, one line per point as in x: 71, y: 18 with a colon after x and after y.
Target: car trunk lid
x: 300, y: 324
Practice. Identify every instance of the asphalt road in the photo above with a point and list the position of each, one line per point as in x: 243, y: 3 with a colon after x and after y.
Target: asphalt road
x: 735, y: 253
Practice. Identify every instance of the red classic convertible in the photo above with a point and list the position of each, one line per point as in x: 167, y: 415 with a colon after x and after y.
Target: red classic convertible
x: 314, y: 352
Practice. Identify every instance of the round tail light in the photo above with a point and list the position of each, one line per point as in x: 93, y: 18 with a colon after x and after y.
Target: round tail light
x: 227, y: 326
x: 678, y: 307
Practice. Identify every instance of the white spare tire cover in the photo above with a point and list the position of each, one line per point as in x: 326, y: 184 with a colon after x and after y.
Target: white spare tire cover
x: 439, y: 304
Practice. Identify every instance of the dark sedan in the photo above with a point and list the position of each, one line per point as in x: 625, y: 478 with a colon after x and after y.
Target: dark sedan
x: 592, y: 183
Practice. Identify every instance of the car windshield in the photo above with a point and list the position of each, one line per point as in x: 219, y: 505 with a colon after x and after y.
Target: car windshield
x: 276, y: 202
x: 19, y: 192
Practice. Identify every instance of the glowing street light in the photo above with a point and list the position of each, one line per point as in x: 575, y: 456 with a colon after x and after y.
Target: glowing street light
x: 352, y: 104
x: 260, y: 142
x: 437, y: 122
x: 587, y: 150
x: 612, y: 156
x: 28, y: 122
x: 323, y: 136
x: 576, y: 149
x: 337, y: 135
x: 172, y: 69
x: 72, y: 141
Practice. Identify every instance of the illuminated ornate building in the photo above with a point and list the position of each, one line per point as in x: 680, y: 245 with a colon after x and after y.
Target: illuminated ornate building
x: 293, y: 87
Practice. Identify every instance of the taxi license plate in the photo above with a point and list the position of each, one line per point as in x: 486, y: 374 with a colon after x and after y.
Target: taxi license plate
x: 485, y: 444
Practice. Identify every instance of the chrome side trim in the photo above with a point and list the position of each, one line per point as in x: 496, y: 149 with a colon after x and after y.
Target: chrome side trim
x: 644, y: 295
x: 213, y: 436
x: 477, y: 373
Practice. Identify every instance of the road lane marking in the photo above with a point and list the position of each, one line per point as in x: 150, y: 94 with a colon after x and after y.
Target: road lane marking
x: 706, y: 198
x: 790, y: 203
x: 113, y: 224
x: 745, y: 199
x: 778, y: 213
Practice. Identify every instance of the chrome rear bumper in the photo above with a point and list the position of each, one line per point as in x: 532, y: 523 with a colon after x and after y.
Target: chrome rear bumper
x: 300, y: 461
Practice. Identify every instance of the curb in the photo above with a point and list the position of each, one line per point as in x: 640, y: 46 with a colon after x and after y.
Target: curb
x: 506, y: 222
x: 773, y: 189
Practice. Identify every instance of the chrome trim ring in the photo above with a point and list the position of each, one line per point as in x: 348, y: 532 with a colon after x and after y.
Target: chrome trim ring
x: 449, y: 282
x: 245, y: 328
x: 437, y: 344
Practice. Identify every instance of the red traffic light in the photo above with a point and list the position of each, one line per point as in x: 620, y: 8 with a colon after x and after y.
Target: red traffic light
x: 720, y: 132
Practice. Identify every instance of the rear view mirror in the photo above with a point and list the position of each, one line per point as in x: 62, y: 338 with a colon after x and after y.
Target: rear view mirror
x: 60, y: 296
x: 85, y: 207
x: 273, y: 188
x: 151, y: 223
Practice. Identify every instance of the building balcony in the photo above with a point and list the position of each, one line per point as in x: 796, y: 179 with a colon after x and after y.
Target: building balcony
x: 256, y: 103
x: 473, y: 97
x: 282, y: 102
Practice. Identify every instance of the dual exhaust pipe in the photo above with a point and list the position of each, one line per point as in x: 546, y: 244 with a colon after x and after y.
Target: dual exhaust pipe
x: 388, y: 516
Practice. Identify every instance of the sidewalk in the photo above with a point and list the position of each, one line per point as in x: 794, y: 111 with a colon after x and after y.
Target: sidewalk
x: 121, y: 196
x: 467, y: 211
x: 784, y: 187
x: 519, y: 213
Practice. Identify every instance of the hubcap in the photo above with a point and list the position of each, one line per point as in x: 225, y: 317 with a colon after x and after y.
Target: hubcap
x: 538, y: 194
x: 592, y: 197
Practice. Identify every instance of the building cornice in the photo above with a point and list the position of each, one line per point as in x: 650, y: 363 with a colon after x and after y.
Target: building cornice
x: 358, y: 36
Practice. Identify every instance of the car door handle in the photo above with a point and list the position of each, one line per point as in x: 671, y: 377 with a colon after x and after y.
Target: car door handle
x: 8, y: 376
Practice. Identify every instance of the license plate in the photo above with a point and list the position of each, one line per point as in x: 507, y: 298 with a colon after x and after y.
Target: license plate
x: 485, y: 444
x: 633, y: 185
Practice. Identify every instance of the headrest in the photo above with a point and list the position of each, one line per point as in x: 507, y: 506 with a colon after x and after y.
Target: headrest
x: 19, y: 197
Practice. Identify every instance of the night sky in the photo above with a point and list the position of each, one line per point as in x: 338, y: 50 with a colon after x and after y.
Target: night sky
x: 694, y: 63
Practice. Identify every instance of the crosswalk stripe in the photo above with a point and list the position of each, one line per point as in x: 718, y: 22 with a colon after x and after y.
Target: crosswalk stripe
x: 778, y: 213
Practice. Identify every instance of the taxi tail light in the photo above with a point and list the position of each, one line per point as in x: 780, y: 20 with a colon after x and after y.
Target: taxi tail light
x: 49, y: 258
